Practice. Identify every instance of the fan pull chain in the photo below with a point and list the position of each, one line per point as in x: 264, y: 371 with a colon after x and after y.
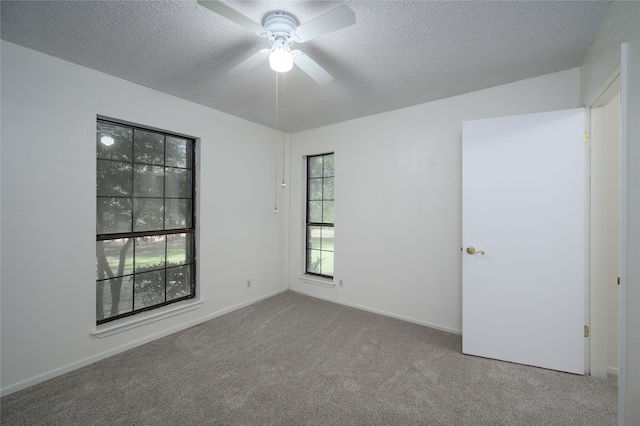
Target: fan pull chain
x: 275, y: 187
x: 284, y: 98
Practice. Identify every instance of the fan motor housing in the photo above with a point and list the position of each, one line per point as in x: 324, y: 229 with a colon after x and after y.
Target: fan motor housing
x: 280, y: 23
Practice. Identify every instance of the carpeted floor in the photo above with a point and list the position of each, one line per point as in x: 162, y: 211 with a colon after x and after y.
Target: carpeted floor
x: 293, y: 359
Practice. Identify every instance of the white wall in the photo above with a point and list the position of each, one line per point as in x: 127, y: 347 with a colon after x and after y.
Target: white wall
x: 604, y: 56
x: 48, y: 211
x: 398, y: 199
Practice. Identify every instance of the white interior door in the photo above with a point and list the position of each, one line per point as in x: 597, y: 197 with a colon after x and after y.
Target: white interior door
x: 524, y: 206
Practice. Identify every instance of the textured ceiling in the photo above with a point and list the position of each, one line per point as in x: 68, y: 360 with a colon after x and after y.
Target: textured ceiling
x: 398, y: 54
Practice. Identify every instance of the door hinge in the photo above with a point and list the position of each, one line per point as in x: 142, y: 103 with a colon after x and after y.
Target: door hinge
x: 618, y: 280
x: 587, y: 137
x: 586, y: 331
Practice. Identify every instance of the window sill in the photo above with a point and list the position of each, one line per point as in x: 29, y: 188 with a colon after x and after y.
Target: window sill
x: 310, y: 279
x: 143, y: 319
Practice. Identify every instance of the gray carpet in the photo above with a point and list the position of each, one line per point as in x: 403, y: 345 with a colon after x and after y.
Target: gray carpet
x: 293, y: 359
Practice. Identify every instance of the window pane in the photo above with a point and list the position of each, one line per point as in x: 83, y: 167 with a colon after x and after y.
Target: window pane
x: 148, y: 289
x: 114, y: 258
x: 327, y: 190
x: 148, y: 214
x: 121, y: 148
x: 315, y: 211
x: 114, y: 297
x: 144, y: 185
x: 150, y: 253
x: 177, y: 183
x: 113, y: 215
x: 177, y: 152
x: 179, y: 249
x: 114, y: 179
x: 178, y: 214
x: 313, y: 261
x: 327, y: 238
x: 315, y: 167
x: 148, y: 147
x: 314, y: 236
x: 328, y: 165
x: 178, y: 282
x: 327, y: 263
x: 148, y: 181
x: 327, y: 211
x: 315, y: 189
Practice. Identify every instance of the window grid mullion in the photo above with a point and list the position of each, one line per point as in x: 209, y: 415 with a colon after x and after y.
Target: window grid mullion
x: 164, y: 211
x: 133, y: 283
x: 164, y: 183
x: 133, y: 183
x: 102, y: 237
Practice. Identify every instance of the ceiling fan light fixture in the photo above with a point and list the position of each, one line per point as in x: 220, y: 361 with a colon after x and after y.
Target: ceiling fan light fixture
x: 282, y: 29
x: 281, y: 58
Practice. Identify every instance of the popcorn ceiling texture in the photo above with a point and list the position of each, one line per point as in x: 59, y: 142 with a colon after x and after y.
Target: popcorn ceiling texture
x: 398, y: 54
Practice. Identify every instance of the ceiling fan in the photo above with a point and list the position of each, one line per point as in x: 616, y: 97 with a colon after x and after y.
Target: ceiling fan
x: 282, y: 30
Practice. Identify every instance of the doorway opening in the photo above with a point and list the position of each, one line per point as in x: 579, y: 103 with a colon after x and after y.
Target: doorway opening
x: 605, y: 228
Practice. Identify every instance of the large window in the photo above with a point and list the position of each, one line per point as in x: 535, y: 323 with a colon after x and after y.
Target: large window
x: 145, y: 244
x: 319, y: 247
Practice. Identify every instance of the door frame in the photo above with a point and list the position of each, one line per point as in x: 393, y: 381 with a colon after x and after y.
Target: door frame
x: 598, y: 309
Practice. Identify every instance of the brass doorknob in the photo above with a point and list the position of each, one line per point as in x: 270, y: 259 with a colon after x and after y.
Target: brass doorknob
x: 472, y: 250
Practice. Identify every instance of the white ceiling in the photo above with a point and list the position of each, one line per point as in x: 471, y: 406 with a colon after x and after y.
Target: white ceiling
x: 398, y: 54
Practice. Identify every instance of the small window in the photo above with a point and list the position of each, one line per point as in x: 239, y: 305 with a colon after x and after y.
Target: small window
x: 145, y: 224
x: 320, y: 225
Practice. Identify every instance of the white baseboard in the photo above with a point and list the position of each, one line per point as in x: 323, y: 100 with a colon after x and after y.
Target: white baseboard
x: 380, y: 312
x: 612, y: 370
x: 106, y: 354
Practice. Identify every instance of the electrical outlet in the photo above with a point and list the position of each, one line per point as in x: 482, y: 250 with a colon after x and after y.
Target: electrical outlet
x: 340, y: 283
x: 248, y: 283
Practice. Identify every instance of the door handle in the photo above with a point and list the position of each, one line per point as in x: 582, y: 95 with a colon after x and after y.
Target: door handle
x: 472, y: 250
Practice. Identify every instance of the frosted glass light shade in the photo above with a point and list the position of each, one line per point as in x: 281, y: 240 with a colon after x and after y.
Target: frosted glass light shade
x: 281, y: 60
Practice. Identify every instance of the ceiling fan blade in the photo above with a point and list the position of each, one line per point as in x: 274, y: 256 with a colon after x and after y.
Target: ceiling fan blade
x: 231, y: 14
x: 310, y: 67
x: 333, y: 20
x: 250, y: 63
